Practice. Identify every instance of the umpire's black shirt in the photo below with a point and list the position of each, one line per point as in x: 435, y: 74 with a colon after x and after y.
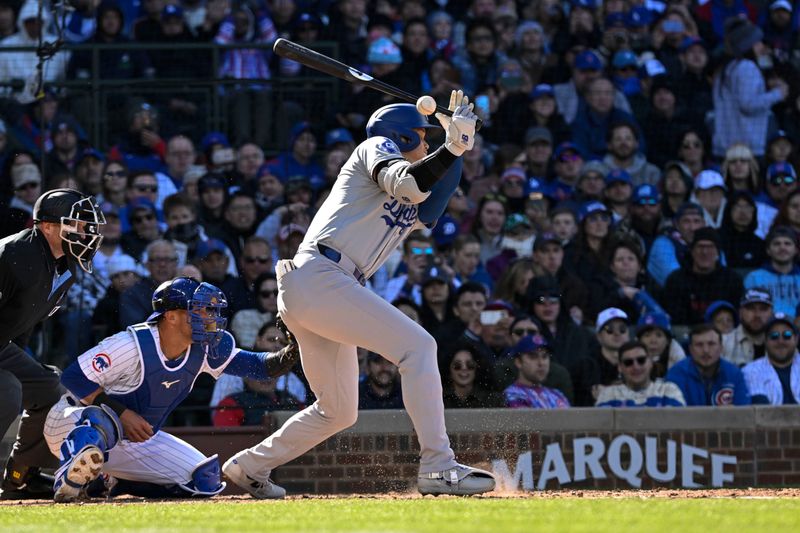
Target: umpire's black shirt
x: 32, y: 282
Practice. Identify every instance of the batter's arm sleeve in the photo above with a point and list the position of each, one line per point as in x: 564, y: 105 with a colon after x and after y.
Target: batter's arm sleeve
x: 433, y: 208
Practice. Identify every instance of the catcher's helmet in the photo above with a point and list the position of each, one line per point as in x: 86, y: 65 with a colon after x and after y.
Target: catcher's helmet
x: 203, y: 301
x: 397, y: 122
x: 80, y: 218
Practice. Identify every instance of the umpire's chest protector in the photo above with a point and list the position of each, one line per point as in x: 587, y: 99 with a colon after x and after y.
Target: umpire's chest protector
x: 161, y: 388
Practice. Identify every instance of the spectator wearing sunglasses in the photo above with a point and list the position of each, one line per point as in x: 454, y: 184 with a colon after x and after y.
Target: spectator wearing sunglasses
x: 612, y: 330
x: 141, y: 216
x: 654, y: 330
x: 419, y: 254
x: 462, y: 389
x: 637, y: 388
x: 780, y: 275
x: 532, y: 358
x: 572, y: 345
x: 505, y: 369
x: 781, y: 181
x: 254, y: 262
x: 141, y: 185
x: 645, y: 221
x: 775, y: 379
x: 705, y: 378
x: 567, y: 161
x: 693, y: 287
x: 246, y: 322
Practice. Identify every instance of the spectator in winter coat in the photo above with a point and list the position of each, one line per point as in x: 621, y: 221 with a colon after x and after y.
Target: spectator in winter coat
x: 740, y: 244
x: 705, y: 378
x: 742, y: 101
x: 532, y: 359
x: 669, y: 250
x: 692, y: 288
x: 781, y: 275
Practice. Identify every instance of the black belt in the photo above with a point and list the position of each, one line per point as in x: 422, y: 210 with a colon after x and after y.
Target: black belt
x: 336, y: 257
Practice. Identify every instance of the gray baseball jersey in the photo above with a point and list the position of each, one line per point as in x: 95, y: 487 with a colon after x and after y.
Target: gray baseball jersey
x: 359, y: 218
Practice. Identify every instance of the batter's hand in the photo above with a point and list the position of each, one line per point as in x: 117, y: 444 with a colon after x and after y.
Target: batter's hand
x: 460, y: 128
x: 136, y: 428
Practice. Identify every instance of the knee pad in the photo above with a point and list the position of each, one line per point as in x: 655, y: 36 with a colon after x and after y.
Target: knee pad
x: 106, y: 421
x: 97, y: 426
x: 206, y: 478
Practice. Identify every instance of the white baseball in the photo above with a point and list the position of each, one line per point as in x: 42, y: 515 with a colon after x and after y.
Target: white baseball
x: 426, y: 105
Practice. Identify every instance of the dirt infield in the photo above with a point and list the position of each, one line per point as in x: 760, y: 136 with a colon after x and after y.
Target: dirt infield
x: 733, y: 493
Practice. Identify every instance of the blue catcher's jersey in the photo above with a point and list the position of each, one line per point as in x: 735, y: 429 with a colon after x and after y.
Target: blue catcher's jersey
x: 161, y: 387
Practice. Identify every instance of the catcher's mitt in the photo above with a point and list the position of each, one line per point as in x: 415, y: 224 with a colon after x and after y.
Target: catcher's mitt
x: 283, y: 360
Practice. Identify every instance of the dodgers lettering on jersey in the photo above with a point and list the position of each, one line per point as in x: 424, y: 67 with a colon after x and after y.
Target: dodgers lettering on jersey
x: 360, y: 219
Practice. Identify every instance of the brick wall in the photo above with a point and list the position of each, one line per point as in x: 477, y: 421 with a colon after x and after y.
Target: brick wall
x: 380, y: 453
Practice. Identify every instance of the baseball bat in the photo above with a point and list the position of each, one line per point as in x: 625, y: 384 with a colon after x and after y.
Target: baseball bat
x: 330, y: 66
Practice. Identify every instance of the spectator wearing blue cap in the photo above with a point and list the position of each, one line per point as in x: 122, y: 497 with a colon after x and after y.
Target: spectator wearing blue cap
x: 637, y: 389
x: 593, y: 121
x: 175, y: 62
x: 742, y: 99
x: 780, y: 147
x: 645, y: 221
x: 669, y: 250
x: 617, y: 194
x: 64, y: 154
x: 638, y: 21
x: 587, y: 254
x: 141, y: 184
x: 625, y: 75
x: 675, y: 24
x: 340, y: 139
x: 691, y: 289
x: 568, y: 162
x: 781, y: 181
x: 586, y: 67
x: 721, y: 315
x: 654, y: 330
x: 781, y: 274
x: 532, y: 359
x: 211, y: 258
x: 692, y: 86
x: 89, y: 170
x: 775, y: 379
x: 299, y: 160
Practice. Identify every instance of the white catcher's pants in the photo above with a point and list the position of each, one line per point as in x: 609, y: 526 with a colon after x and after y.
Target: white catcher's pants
x: 330, y: 314
x: 162, y: 459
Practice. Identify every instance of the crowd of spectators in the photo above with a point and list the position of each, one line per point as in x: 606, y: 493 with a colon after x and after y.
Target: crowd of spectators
x: 625, y: 232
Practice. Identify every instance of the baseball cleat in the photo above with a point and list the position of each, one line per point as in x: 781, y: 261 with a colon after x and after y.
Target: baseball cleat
x: 81, y: 470
x: 460, y: 481
x: 263, y: 490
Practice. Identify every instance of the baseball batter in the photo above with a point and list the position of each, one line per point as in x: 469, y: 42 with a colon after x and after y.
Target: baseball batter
x: 121, y: 391
x: 389, y: 187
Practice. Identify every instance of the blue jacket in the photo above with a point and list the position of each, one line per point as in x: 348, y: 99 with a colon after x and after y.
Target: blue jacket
x: 784, y: 288
x: 589, y: 131
x: 727, y: 387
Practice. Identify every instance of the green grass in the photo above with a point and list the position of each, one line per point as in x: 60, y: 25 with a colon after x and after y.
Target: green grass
x: 424, y: 515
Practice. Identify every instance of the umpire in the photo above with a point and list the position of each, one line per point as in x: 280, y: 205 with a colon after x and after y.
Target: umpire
x: 37, y: 267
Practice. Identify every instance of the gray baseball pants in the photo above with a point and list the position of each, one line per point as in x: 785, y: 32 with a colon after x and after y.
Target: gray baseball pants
x: 330, y: 314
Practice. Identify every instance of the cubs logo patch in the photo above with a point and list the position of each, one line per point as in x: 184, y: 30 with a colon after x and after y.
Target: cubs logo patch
x: 389, y: 147
x: 724, y: 396
x: 101, y: 362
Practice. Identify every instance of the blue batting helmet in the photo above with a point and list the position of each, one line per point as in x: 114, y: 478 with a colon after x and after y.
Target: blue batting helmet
x: 397, y: 122
x: 203, y: 301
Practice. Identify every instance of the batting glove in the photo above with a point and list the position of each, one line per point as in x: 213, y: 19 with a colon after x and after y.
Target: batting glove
x: 460, y: 128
